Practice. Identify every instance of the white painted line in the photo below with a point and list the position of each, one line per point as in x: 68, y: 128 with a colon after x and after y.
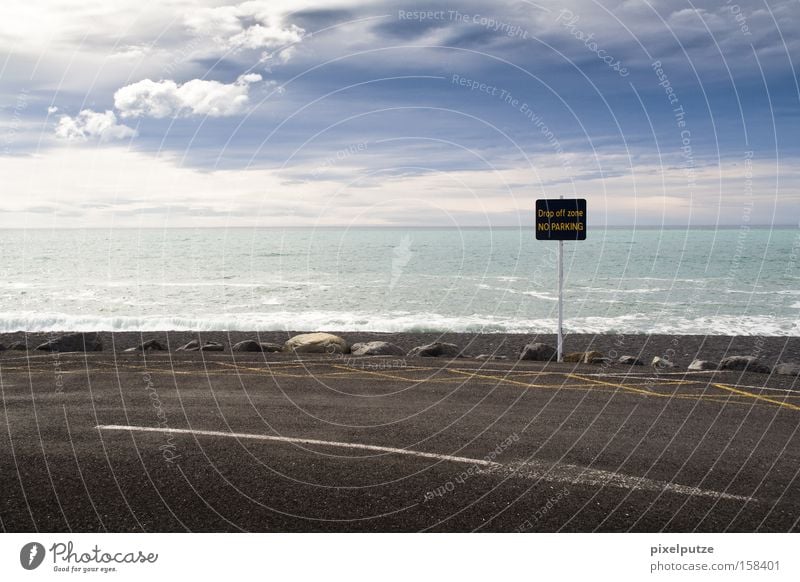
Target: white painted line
x: 300, y: 441
x: 537, y: 470
x: 578, y: 475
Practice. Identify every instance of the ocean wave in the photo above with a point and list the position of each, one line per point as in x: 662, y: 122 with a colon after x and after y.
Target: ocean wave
x: 638, y: 323
x: 537, y: 294
x: 271, y: 301
x: 670, y: 279
x: 622, y: 290
x: 774, y: 292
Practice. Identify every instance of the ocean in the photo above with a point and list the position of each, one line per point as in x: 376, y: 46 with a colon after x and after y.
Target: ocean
x: 728, y: 281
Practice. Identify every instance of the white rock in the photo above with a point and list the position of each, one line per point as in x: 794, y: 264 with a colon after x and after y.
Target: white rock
x: 661, y: 363
x: 316, y: 343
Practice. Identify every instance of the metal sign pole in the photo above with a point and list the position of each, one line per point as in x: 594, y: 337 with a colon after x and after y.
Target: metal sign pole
x: 560, y: 300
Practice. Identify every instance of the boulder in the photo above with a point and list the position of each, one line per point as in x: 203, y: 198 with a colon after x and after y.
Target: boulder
x: 212, y: 347
x: 196, y: 346
x: 316, y: 343
x: 256, y: 346
x: 661, y: 363
x: 744, y: 364
x: 788, y: 369
x: 376, y: 349
x: 630, y: 361
x: 192, y: 346
x: 490, y: 357
x: 73, y: 342
x: 698, y: 365
x: 538, y: 352
x: 148, y: 346
x: 435, y: 350
x: 270, y: 347
x: 248, y: 346
x: 19, y: 346
x: 584, y: 358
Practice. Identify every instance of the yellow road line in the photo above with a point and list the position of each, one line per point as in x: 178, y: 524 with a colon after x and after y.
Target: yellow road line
x: 616, y: 385
x: 584, y: 386
x: 696, y: 397
x: 380, y: 374
x: 503, y: 379
x: 757, y: 396
x: 676, y: 382
x: 266, y: 368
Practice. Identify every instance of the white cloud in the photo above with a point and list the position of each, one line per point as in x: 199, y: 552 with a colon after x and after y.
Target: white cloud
x: 161, y: 99
x: 249, y: 25
x: 52, y: 109
x: 92, y: 124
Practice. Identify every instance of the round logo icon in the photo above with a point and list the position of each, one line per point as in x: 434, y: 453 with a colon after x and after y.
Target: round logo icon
x: 31, y: 555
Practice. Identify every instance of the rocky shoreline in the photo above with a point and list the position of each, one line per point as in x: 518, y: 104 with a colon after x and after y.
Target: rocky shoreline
x: 747, y: 353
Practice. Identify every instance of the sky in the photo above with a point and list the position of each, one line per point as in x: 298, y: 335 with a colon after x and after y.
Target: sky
x: 195, y: 113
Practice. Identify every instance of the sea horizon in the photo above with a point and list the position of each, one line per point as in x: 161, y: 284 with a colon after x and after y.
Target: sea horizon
x: 530, y: 227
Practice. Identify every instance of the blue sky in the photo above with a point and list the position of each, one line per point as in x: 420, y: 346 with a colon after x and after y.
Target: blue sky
x: 196, y: 113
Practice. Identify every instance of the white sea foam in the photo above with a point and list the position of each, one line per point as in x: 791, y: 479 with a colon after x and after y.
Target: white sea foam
x: 271, y: 301
x: 399, y: 322
x: 665, y: 279
x: 537, y: 294
x: 622, y: 290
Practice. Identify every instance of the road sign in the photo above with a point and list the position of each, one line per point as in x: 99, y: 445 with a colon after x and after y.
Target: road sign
x: 559, y: 219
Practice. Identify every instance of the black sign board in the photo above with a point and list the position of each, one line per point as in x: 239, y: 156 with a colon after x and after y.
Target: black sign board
x: 561, y: 219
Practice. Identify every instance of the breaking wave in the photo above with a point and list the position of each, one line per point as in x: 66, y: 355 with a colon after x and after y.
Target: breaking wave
x: 399, y: 322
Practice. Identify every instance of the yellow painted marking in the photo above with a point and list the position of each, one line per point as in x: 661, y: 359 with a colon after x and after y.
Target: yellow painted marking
x: 267, y: 368
x: 509, y: 372
x: 503, y: 379
x: 758, y: 397
x: 562, y: 385
x: 616, y: 385
x: 676, y: 382
x: 380, y: 374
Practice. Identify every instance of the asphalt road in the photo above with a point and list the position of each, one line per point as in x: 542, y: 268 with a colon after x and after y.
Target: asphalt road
x: 232, y: 442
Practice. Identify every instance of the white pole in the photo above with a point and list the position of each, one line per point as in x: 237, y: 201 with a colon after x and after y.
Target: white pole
x: 561, y: 299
